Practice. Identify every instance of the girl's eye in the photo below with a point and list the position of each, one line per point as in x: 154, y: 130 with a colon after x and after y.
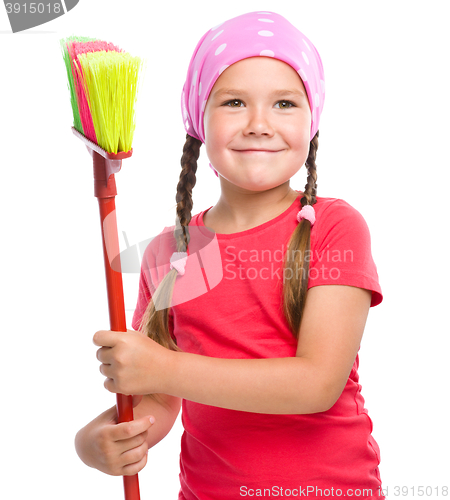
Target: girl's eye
x: 232, y: 101
x: 228, y: 103
x: 287, y: 102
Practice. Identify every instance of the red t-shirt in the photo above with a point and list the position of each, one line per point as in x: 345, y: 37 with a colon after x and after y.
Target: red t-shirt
x: 227, y: 305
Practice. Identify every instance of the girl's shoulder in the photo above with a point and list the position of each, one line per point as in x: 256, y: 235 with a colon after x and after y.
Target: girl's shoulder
x: 339, y: 221
x: 158, y: 250
x: 325, y: 202
x: 329, y: 209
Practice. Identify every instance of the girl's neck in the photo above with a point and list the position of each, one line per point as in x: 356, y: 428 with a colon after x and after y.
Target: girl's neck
x: 236, y: 212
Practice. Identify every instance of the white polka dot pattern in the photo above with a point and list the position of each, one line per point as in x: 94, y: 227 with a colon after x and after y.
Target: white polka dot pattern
x: 249, y: 35
x: 215, y: 36
x: 265, y: 33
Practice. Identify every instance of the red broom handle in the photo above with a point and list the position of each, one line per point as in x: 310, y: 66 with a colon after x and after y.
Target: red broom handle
x: 105, y: 191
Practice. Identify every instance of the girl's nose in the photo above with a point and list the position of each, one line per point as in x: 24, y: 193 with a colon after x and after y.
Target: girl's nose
x: 258, y: 123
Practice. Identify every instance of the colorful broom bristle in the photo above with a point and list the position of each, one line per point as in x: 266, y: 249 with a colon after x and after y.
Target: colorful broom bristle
x: 111, y: 83
x: 76, y: 49
x: 105, y: 80
x: 66, y: 45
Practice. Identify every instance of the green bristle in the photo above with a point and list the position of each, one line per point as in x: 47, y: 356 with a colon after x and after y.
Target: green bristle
x: 73, y: 97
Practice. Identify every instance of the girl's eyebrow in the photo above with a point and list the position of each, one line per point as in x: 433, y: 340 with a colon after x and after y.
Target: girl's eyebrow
x: 221, y: 92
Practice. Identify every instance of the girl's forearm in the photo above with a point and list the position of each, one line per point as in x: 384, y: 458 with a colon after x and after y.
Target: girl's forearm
x: 276, y: 385
x: 164, y: 408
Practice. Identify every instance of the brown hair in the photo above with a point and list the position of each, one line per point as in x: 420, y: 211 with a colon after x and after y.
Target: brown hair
x: 155, y: 323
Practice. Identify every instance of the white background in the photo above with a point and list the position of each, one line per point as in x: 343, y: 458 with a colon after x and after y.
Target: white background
x: 384, y: 139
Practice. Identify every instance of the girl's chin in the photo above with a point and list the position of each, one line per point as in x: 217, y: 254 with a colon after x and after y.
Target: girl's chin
x: 255, y: 184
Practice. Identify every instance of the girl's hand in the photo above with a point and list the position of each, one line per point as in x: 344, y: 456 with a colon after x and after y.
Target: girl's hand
x: 132, y: 362
x: 115, y: 449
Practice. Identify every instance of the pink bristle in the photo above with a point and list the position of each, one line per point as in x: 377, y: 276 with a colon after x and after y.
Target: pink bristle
x: 83, y: 108
x: 74, y: 50
x: 84, y: 47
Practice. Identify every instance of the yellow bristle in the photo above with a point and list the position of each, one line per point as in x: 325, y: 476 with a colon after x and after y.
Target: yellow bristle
x: 111, y: 83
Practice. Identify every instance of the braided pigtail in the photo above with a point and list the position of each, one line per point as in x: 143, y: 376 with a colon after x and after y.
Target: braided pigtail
x: 155, y: 323
x: 296, y: 260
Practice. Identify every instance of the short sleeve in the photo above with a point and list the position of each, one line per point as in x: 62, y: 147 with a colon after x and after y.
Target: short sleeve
x: 144, y: 297
x: 151, y: 274
x: 341, y: 251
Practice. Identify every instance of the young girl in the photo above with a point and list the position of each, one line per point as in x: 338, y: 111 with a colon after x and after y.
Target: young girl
x: 251, y: 313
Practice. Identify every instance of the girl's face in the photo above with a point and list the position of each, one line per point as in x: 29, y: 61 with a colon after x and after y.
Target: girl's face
x: 250, y: 108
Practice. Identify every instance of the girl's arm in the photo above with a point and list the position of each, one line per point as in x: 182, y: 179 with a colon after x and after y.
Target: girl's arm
x: 121, y: 449
x: 312, y: 381
x: 330, y: 335
x: 164, y: 408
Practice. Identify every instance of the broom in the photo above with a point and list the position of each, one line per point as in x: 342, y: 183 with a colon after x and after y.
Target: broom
x: 103, y: 83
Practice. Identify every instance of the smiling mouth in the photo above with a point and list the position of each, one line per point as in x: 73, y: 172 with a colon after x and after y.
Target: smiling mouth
x: 255, y: 151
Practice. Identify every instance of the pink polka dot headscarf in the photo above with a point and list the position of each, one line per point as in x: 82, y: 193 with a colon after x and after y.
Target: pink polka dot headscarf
x: 249, y: 35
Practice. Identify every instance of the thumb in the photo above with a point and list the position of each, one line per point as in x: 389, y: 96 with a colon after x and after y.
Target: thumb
x: 136, y: 401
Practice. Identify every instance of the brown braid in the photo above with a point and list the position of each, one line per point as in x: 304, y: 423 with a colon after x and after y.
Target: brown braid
x: 191, y: 152
x: 155, y: 323
x: 296, y: 260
